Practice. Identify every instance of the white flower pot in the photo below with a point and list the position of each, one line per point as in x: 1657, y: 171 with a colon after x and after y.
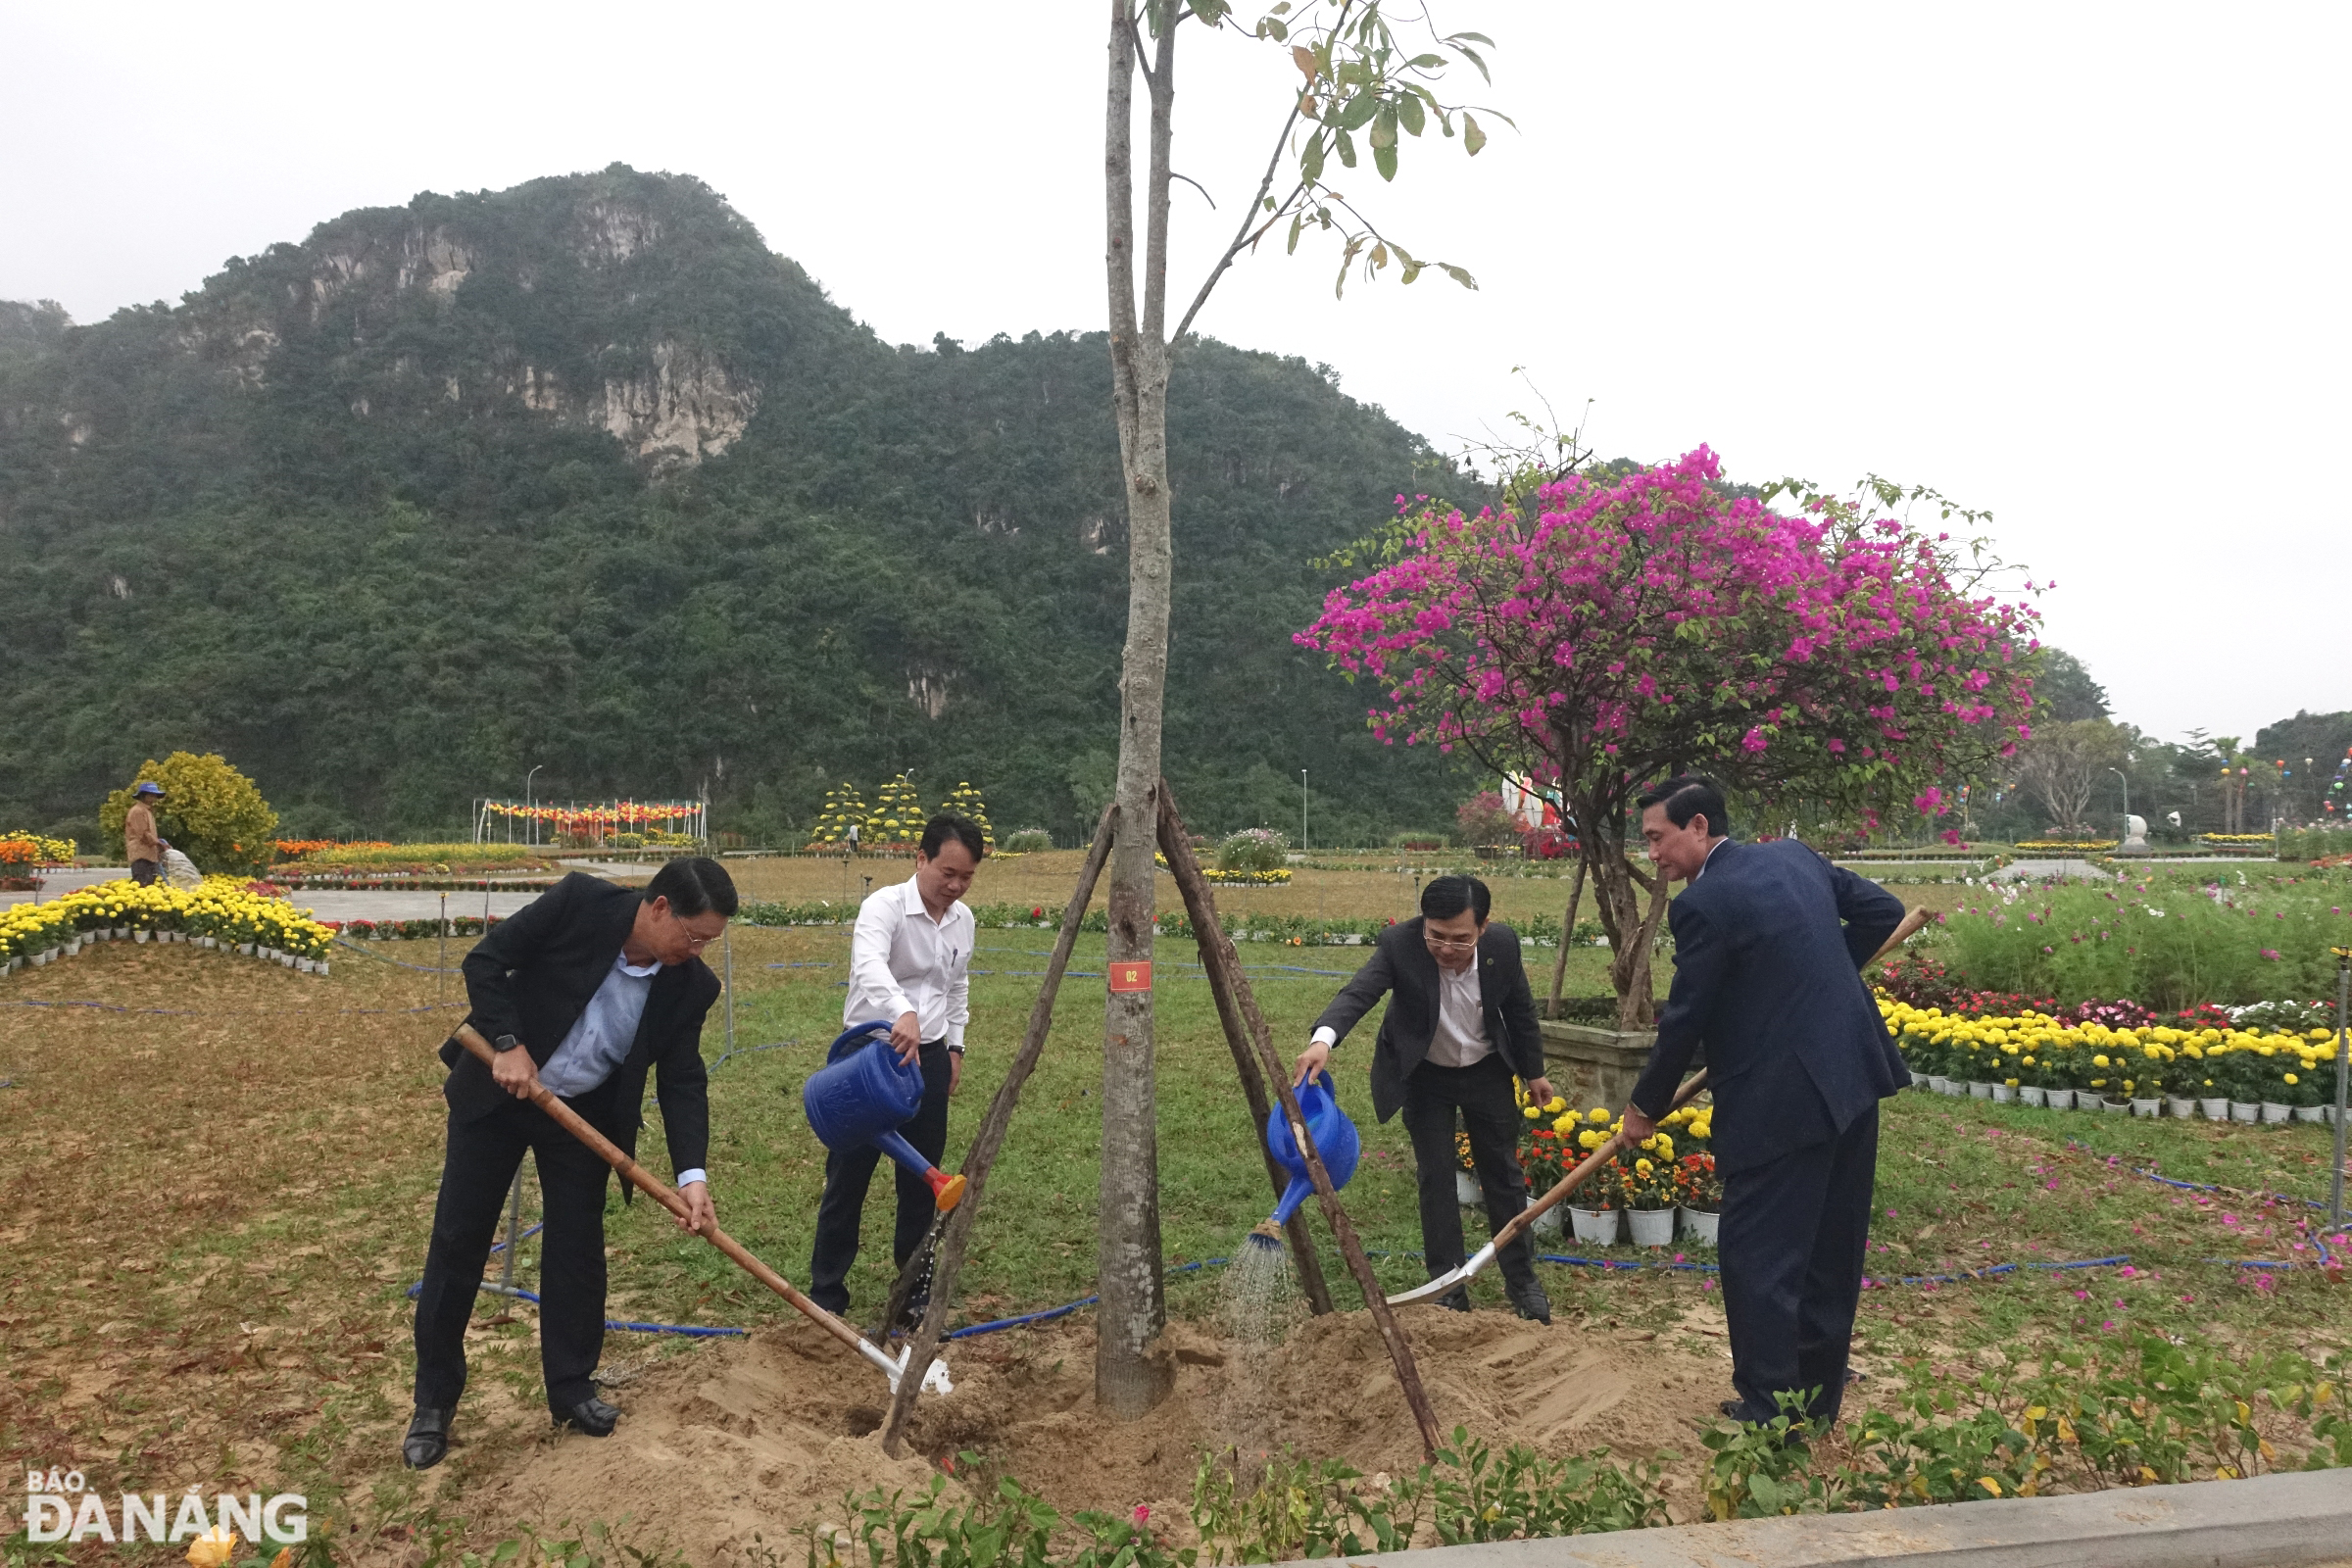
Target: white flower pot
x: 2180, y: 1105
x: 206, y: 943
x: 1466, y: 1190
x: 2309, y: 1113
x: 1699, y: 1225
x: 2216, y: 1109
x: 1547, y: 1224
x: 2146, y: 1107
x: 1978, y: 1091
x: 122, y: 933
x: 142, y: 935
x: 2118, y: 1108
x: 245, y: 948
x: 74, y: 948
x: 319, y: 966
x: 1652, y: 1227
x: 2273, y: 1111
x: 2003, y: 1095
x: 1596, y: 1226
x: 2033, y: 1094
x: 2059, y: 1099
x: 1935, y: 1083
x: 39, y: 960
x: 1956, y: 1087
x: 2244, y: 1110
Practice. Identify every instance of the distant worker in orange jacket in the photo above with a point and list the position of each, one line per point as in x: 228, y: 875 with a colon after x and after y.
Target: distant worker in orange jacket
x: 139, y: 839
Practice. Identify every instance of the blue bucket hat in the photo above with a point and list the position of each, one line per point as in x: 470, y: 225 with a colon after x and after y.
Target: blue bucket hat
x: 148, y: 787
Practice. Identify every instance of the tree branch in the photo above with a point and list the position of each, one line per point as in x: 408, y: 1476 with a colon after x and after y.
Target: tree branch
x: 1242, y: 237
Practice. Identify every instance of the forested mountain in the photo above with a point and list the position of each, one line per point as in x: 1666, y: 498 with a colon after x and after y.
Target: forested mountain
x: 582, y: 473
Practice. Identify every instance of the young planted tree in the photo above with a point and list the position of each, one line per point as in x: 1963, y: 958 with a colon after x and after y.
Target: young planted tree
x: 1362, y: 91
x: 1611, y: 634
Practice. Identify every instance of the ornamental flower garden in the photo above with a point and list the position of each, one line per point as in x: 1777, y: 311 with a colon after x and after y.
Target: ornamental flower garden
x: 1671, y: 1173
x: 223, y: 912
x: 2199, y: 1065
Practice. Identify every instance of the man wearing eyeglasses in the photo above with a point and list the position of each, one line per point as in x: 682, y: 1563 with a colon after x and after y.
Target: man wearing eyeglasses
x: 584, y: 990
x: 1460, y: 1025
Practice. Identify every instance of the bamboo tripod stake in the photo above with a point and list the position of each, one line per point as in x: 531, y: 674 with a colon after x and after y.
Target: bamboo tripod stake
x: 1216, y: 952
x: 1237, y: 1011
x: 955, y: 1238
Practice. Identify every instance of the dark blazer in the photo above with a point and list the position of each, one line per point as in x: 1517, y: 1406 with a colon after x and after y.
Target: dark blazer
x: 531, y: 977
x: 1403, y: 968
x: 1769, y: 945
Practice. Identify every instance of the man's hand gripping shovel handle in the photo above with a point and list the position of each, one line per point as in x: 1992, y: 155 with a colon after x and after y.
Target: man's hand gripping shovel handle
x: 1912, y: 921
x: 573, y: 1123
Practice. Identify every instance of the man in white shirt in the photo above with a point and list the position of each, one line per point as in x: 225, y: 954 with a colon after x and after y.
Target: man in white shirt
x: 1460, y: 1025
x: 911, y: 966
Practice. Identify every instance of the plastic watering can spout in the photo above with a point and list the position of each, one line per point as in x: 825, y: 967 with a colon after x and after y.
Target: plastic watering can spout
x: 863, y: 1095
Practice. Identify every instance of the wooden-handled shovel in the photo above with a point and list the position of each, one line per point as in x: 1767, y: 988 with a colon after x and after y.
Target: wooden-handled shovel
x: 572, y: 1121
x: 1912, y: 921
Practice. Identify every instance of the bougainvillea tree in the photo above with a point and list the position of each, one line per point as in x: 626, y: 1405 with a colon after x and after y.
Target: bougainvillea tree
x: 1655, y: 623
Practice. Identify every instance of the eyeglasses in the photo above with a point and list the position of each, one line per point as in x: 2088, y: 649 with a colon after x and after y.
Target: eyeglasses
x: 1452, y: 943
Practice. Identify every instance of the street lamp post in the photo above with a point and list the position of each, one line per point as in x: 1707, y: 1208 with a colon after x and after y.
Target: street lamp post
x: 2127, y: 783
x: 528, y: 799
x: 1302, y: 811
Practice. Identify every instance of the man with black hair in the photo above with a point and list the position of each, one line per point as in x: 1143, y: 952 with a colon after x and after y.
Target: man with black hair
x: 1460, y: 1023
x: 1769, y: 945
x: 910, y: 961
x: 584, y: 990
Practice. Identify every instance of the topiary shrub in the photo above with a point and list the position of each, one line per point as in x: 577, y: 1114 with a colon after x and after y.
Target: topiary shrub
x: 1028, y: 841
x: 210, y: 813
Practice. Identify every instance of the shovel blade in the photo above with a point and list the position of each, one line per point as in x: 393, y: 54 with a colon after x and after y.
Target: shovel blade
x: 1448, y: 1280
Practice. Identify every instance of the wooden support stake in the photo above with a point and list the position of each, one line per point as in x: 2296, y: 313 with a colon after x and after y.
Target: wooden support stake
x: 1234, y: 1011
x: 990, y: 1137
x: 1559, y: 966
x: 1218, y: 954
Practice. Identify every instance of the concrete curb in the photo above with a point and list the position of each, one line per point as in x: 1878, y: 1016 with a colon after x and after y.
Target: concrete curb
x: 2302, y: 1517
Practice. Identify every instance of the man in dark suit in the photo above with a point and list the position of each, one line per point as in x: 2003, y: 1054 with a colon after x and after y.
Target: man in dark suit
x: 583, y: 989
x: 1770, y: 941
x: 1461, y: 1024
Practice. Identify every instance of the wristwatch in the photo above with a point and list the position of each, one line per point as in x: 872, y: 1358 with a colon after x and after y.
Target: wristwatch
x: 505, y: 1042
x: 954, y: 1051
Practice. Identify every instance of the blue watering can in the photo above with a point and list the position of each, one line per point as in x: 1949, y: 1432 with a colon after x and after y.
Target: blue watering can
x: 1335, y: 1138
x: 863, y: 1093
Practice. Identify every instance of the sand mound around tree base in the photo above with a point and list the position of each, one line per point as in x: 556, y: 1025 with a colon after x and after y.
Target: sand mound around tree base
x: 731, y: 1451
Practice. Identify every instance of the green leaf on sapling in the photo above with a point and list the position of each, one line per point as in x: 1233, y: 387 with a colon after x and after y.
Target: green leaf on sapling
x: 1383, y: 159
x: 1473, y: 138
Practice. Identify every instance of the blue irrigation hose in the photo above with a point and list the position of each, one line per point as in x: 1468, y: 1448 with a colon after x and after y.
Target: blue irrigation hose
x: 233, y: 1012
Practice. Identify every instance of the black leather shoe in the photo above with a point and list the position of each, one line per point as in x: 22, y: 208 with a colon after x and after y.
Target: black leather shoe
x: 1735, y: 1409
x: 1530, y: 1301
x: 428, y: 1441
x: 591, y: 1415
x: 1456, y: 1300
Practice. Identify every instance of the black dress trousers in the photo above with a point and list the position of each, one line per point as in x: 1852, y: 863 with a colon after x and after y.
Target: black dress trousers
x: 1480, y: 1096
x: 1791, y: 1241
x: 484, y: 1152
x: 847, y: 1176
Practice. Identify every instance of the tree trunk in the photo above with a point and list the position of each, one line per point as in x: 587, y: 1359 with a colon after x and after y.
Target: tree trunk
x: 1132, y: 1371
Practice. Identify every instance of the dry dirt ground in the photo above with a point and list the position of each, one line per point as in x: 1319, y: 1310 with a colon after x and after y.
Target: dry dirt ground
x: 730, y: 1450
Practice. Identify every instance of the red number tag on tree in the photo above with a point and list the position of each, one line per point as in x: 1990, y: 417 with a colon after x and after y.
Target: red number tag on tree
x: 1131, y: 976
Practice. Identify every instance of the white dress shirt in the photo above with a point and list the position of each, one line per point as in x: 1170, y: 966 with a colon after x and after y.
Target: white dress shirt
x: 1703, y: 865
x: 600, y: 1042
x: 1460, y: 1039
x: 903, y: 960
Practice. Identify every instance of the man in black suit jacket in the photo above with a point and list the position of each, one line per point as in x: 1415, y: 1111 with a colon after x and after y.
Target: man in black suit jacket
x: 1461, y: 1024
x: 1770, y: 941
x: 584, y: 989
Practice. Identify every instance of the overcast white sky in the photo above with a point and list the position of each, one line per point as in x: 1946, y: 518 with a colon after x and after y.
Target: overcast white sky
x: 2081, y: 265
